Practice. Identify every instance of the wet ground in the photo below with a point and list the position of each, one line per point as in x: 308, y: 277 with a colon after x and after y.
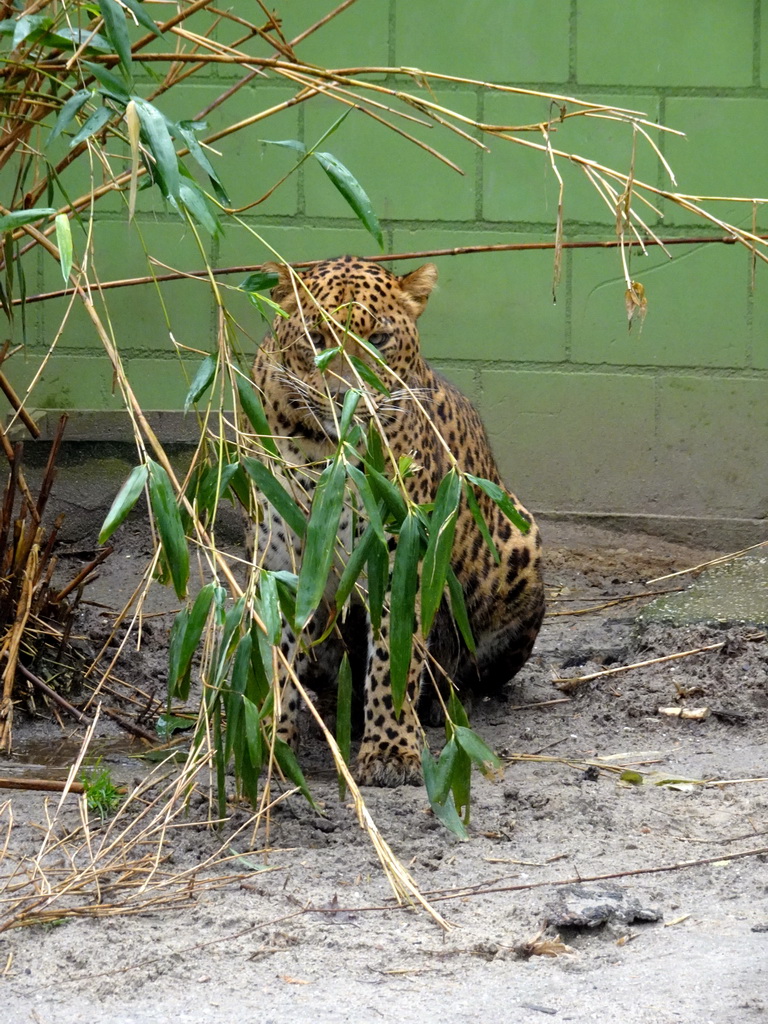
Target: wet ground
x: 656, y: 882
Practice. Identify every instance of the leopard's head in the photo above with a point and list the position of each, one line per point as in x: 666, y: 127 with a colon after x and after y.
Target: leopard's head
x: 344, y: 318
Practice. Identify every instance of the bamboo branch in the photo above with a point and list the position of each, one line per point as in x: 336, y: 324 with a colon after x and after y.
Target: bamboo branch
x: 421, y: 254
x: 568, y: 684
x: 43, y: 785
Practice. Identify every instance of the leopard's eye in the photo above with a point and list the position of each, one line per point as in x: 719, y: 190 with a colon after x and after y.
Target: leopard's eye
x: 316, y: 338
x: 379, y: 338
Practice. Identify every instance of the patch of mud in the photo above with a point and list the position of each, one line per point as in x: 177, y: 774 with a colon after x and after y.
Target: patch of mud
x: 319, y: 940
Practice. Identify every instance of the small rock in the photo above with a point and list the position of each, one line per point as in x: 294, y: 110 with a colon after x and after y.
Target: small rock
x: 582, y: 906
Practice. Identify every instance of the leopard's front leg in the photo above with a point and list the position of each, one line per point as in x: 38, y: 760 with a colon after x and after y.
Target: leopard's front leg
x: 390, y: 751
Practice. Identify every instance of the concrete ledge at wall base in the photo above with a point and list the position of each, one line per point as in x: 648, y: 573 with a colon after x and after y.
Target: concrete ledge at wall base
x: 98, y: 452
x: 108, y: 427
x: 719, y: 533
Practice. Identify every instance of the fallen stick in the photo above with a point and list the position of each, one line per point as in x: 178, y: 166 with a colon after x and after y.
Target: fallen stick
x: 712, y: 561
x: 131, y: 727
x: 615, y: 601
x: 566, y: 684
x: 46, y: 785
x: 436, y: 895
x: 53, y: 695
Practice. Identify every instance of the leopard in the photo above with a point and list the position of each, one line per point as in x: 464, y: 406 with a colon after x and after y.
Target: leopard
x: 351, y: 306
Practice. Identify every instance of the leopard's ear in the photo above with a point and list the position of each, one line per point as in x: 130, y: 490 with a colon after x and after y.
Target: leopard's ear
x: 418, y: 285
x: 285, y: 286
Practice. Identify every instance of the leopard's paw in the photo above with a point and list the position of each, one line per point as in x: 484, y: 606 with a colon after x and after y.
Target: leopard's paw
x: 395, y: 766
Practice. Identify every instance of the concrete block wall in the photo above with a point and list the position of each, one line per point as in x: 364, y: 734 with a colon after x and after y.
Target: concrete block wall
x: 584, y: 416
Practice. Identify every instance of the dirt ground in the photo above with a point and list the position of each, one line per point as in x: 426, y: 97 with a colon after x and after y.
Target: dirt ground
x: 319, y: 939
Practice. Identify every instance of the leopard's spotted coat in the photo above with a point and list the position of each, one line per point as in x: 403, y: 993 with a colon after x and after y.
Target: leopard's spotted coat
x: 505, y: 601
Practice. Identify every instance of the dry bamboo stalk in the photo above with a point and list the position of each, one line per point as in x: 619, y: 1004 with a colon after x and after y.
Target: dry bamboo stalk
x: 83, y: 574
x: 51, y: 694
x: 483, y: 889
x: 712, y: 561
x: 466, y: 250
x: 611, y: 604
x: 403, y: 885
x: 16, y: 403
x: 567, y: 684
x: 11, y: 648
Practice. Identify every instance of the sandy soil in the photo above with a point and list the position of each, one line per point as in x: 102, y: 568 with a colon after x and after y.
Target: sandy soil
x: 318, y: 938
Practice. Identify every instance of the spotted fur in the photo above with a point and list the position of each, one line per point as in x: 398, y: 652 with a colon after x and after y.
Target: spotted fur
x: 326, y: 307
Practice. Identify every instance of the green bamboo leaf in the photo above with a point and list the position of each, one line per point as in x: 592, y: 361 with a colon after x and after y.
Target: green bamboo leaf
x: 259, y: 680
x: 437, y: 779
x: 227, y: 643
x: 276, y: 495
x: 141, y: 16
x: 238, y: 486
x: 167, y: 725
x: 111, y: 85
x: 320, y: 544
x: 369, y: 501
x: 186, y: 129
x: 261, y: 281
x: 201, y: 382
x: 175, y: 643
x: 227, y: 472
x: 477, y: 750
x: 502, y: 499
x: 68, y: 112
x: 322, y: 359
x: 437, y: 558
x: 238, y: 682
x: 26, y: 25
x: 354, y: 566
x: 479, y: 518
x: 294, y: 144
x: 64, y: 243
x: 461, y: 783
x: 289, y: 766
x: 378, y: 580
x: 374, y: 451
x: 186, y: 632
x: 254, y: 411
x: 68, y: 38
x: 344, y: 717
x: 168, y: 520
x: 367, y: 374
x: 217, y: 744
x: 249, y: 779
x: 206, y: 487
x: 92, y: 125
x: 159, y: 140
x: 253, y: 733
x: 459, y: 610
x: 124, y: 501
x: 457, y: 714
x: 353, y: 193
x: 9, y: 221
x: 372, y: 351
x: 287, y: 585
x: 193, y: 200
x: 438, y: 776
x: 386, y: 491
x: 351, y: 400
x: 449, y: 816
x: 267, y: 307
x: 270, y: 607
x: 405, y: 575
x: 117, y: 33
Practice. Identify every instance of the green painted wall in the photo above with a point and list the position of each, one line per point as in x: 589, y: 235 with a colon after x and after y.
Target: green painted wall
x: 583, y: 416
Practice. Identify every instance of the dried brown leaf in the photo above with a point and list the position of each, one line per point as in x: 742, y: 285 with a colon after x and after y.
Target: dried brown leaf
x: 636, y: 304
